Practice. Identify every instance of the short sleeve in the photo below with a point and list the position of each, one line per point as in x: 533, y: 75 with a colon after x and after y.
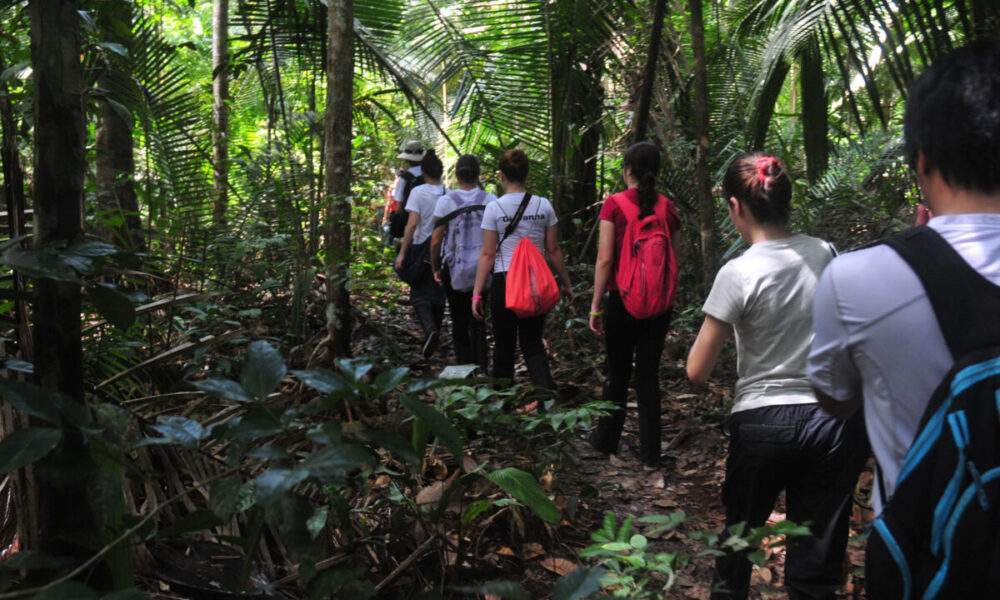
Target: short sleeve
x: 443, y: 207
x: 416, y: 199
x: 550, y: 215
x: 726, y: 300
x: 831, y: 368
x: 397, y: 194
x: 490, y: 217
x: 609, y: 210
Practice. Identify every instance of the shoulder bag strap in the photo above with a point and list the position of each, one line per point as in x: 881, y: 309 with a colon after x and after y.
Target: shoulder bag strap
x: 512, y: 226
x: 965, y: 303
x: 448, y: 218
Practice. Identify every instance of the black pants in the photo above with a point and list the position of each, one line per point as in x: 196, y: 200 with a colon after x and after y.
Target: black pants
x: 428, y: 301
x: 508, y: 330
x: 467, y: 333
x: 630, y: 341
x: 816, y: 460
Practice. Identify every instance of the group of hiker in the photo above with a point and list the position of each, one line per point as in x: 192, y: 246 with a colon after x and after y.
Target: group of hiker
x: 891, y: 350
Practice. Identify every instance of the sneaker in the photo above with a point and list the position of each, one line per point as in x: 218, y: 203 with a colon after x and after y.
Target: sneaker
x: 431, y: 343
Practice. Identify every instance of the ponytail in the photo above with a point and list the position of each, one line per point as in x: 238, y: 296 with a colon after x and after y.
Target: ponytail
x: 643, y: 161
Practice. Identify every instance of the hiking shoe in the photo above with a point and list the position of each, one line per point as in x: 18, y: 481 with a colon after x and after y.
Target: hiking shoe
x: 431, y: 343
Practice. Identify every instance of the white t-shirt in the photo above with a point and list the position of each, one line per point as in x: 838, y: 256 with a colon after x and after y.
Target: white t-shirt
x: 423, y: 200
x: 538, y: 217
x: 446, y: 205
x: 877, y: 336
x: 767, y: 296
x: 397, y: 194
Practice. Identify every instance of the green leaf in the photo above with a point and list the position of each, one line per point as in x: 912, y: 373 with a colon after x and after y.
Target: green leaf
x: 114, y: 47
x: 113, y: 304
x: 179, y: 430
x: 226, y: 389
x: 263, y: 369
x: 437, y: 423
x: 525, y: 488
x: 472, y: 511
x: 26, y: 446
x: 639, y: 542
x: 21, y: 366
x: 317, y: 521
x: 334, y: 462
x: 354, y: 369
x: 39, y: 264
x: 322, y: 380
x: 31, y: 400
x: 271, y: 484
x: 92, y: 249
x: 224, y: 496
x: 579, y: 584
x: 393, y: 443
x: 388, y: 380
x: 21, y: 70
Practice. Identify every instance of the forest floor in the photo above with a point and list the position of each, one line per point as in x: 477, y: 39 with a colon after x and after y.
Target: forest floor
x: 689, y: 479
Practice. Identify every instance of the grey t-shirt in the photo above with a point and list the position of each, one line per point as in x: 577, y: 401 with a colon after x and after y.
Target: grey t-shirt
x: 877, y: 336
x: 538, y: 217
x: 767, y: 295
x: 423, y: 199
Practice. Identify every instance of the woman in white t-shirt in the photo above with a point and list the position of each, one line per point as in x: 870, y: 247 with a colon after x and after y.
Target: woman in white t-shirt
x: 539, y: 225
x: 426, y: 295
x: 780, y: 439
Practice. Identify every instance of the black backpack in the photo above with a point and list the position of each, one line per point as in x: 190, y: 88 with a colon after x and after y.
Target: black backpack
x: 397, y: 220
x: 939, y: 535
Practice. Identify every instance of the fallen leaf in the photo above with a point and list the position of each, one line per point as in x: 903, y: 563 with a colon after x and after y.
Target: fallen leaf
x: 505, y: 551
x: 559, y: 566
x: 615, y: 461
x: 532, y: 550
x: 664, y: 503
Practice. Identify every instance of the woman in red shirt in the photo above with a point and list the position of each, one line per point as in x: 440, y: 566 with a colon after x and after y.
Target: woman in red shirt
x: 630, y: 341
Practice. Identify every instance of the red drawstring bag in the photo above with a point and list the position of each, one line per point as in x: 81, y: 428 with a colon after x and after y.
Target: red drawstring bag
x: 531, y: 289
x: 647, y: 267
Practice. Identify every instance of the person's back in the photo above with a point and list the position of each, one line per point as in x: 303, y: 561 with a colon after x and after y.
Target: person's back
x: 774, y: 283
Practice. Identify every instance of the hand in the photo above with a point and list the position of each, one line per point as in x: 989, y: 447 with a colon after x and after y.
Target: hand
x: 596, y: 323
x: 438, y: 278
x: 399, y: 262
x: 477, y: 307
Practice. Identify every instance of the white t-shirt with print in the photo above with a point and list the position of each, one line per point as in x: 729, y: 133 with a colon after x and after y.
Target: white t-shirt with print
x: 397, y: 194
x: 538, y: 217
x: 767, y: 296
x: 877, y: 336
x: 423, y: 200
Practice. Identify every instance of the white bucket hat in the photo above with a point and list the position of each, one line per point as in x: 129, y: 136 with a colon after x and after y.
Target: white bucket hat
x: 411, y: 150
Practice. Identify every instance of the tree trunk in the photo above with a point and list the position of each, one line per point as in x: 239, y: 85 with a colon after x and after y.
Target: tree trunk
x: 14, y: 201
x: 649, y: 74
x: 706, y: 206
x: 115, y: 150
x: 814, y: 117
x: 220, y: 107
x: 337, y: 139
x: 66, y: 521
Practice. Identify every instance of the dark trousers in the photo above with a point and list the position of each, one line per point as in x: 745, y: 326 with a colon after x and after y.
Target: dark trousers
x: 640, y: 342
x: 816, y: 460
x: 468, y: 334
x: 508, y: 330
x: 428, y: 301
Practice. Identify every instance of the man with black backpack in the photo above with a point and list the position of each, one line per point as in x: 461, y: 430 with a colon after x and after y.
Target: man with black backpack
x: 411, y: 152
x: 909, y: 330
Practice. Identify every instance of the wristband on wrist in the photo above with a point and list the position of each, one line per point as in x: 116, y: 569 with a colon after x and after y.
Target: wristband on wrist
x: 596, y: 313
x: 477, y: 297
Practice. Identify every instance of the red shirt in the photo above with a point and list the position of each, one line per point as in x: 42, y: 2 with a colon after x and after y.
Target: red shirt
x: 611, y: 212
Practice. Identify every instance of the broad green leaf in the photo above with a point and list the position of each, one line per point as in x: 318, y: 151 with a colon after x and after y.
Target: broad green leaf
x: 438, y: 424
x: 226, y: 389
x: 91, y: 249
x: 21, y: 366
x: 271, y: 484
x: 579, y: 584
x: 263, y: 369
x: 113, y: 304
x: 334, y: 462
x: 31, y: 400
x: 39, y: 264
x: 354, y: 369
x: 393, y: 443
x: 525, y: 489
x: 323, y: 381
x: 256, y: 423
x: 639, y: 542
x: 179, y: 430
x: 26, y: 446
x: 317, y: 521
x: 114, y: 47
x: 224, y: 496
x: 388, y: 380
x: 473, y: 510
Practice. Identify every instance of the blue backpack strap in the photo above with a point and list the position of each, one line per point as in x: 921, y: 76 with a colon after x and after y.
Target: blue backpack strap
x: 966, y: 304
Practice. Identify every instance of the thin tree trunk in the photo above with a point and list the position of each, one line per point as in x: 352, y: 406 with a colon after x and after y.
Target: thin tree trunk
x: 115, y: 158
x: 706, y: 206
x: 14, y: 200
x: 814, y: 116
x: 649, y: 74
x: 337, y: 138
x: 220, y: 106
x: 66, y: 521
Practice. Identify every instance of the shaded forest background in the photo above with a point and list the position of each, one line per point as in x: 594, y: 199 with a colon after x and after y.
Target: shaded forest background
x: 209, y: 381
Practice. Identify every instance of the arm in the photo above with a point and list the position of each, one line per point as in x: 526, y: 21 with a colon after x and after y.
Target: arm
x: 836, y: 408
x: 411, y: 227
x: 556, y: 256
x: 706, y: 349
x: 437, y: 237
x: 836, y: 380
x: 602, y: 272
x: 486, y: 259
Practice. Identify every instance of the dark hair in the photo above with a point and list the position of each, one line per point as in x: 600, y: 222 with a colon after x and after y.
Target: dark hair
x: 514, y: 165
x: 467, y: 169
x: 643, y: 161
x: 760, y: 182
x: 431, y: 165
x: 953, y: 118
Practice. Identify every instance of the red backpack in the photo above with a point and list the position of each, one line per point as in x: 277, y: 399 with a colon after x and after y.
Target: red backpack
x: 647, y: 266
